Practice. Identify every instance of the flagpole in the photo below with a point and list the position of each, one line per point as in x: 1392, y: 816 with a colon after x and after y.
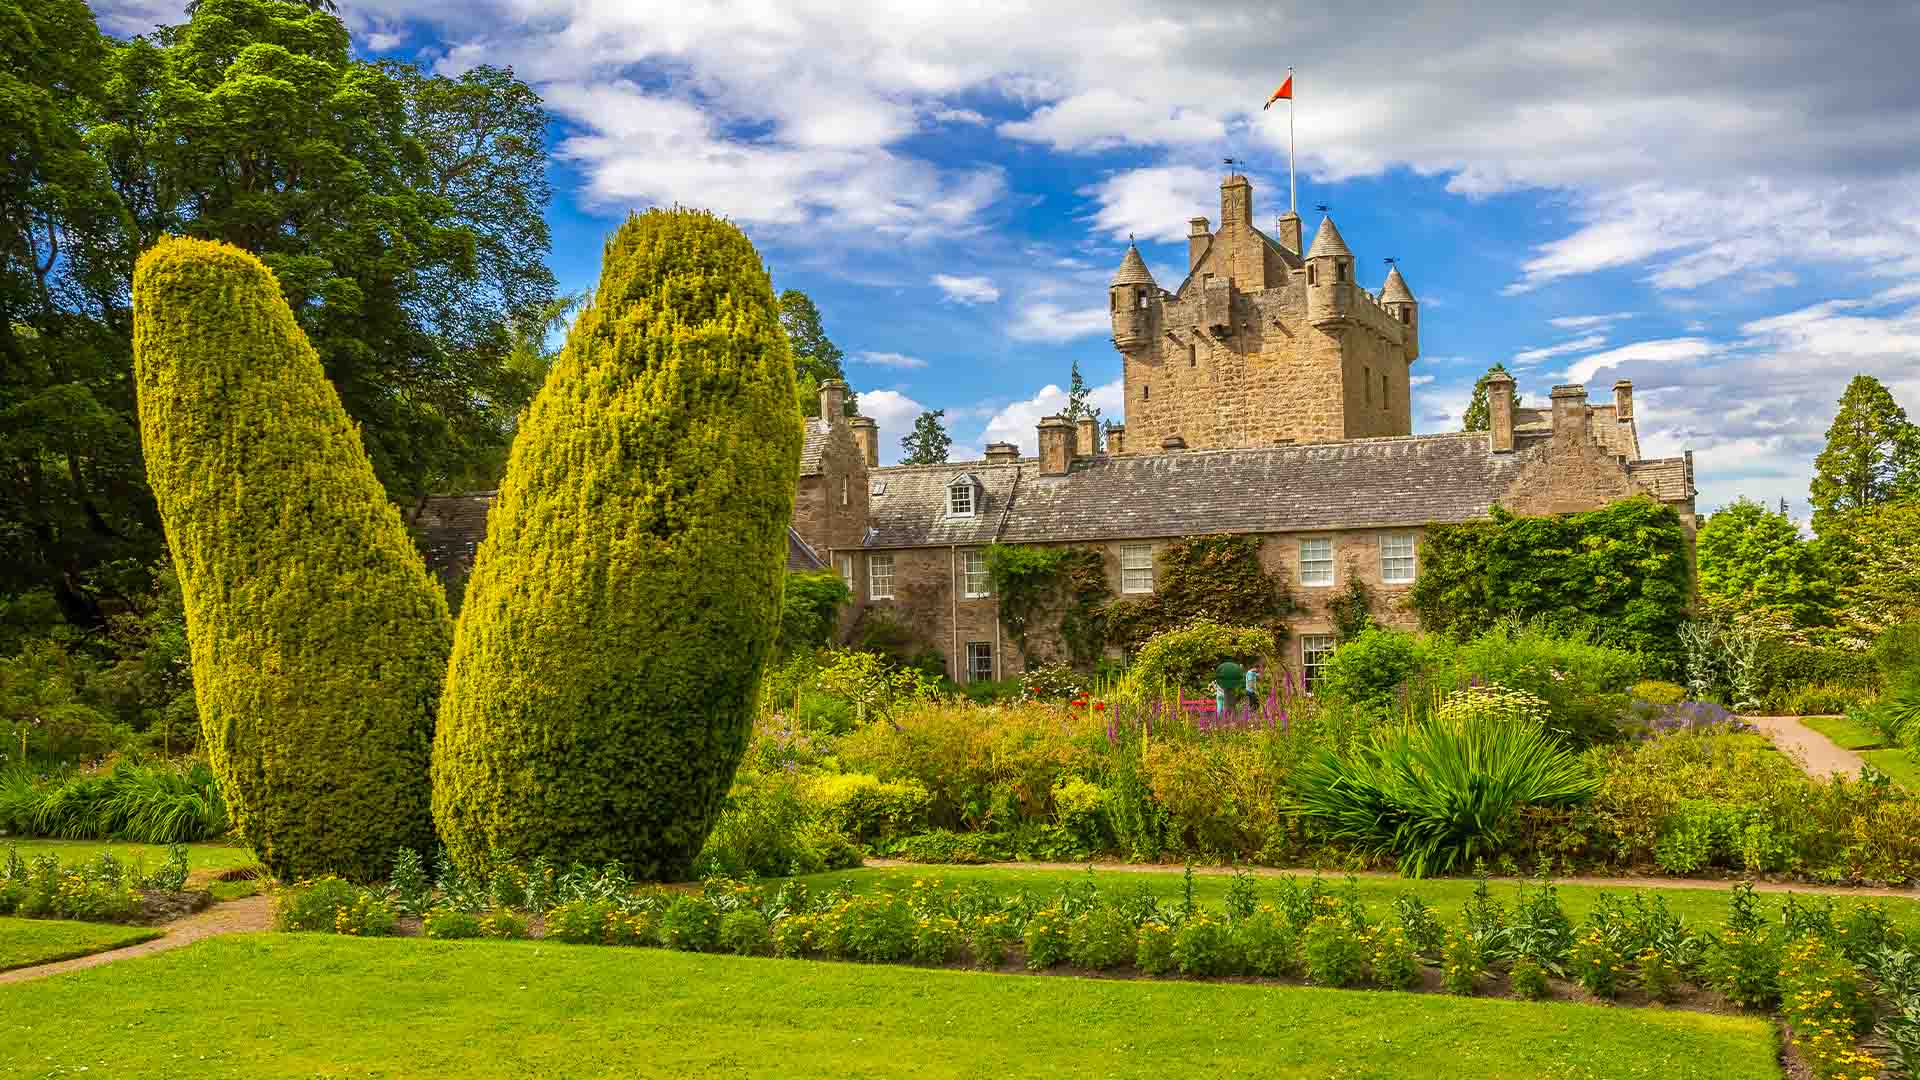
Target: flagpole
x: 1292, y: 205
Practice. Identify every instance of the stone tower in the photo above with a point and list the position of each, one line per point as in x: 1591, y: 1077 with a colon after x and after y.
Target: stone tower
x: 1262, y: 344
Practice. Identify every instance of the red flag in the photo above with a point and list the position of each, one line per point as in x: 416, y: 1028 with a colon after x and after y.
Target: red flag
x: 1285, y: 91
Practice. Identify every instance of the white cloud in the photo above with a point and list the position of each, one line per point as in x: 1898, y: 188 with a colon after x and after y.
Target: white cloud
x: 895, y: 413
x: 1044, y: 320
x: 1419, y: 380
x: 1580, y: 344
x: 962, y: 289
x: 1588, y: 322
x: 889, y: 359
x: 1103, y: 118
x: 1640, y: 353
x: 1155, y: 203
x: 1018, y: 423
x: 958, y: 116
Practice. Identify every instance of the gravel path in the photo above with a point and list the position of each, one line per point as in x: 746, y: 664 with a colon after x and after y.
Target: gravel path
x: 1813, y: 751
x: 243, y: 916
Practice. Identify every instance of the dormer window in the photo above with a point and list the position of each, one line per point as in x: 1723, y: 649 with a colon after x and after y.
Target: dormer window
x: 963, y: 496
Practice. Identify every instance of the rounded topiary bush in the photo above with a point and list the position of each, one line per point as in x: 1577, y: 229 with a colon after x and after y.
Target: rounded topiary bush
x: 318, y: 640
x: 627, y: 595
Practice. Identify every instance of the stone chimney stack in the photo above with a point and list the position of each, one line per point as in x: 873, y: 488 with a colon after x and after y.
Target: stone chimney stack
x: 1117, y: 440
x: 1002, y: 453
x: 1056, y: 445
x: 1197, y: 240
x: 1570, y: 415
x: 833, y: 402
x: 1289, y: 229
x: 1500, y: 411
x: 1623, y: 399
x: 1236, y: 201
x: 866, y: 436
x: 1086, y: 437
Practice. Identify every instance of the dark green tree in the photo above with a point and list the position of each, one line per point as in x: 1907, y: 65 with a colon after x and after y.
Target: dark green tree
x: 815, y: 357
x: 628, y: 593
x: 1756, y: 560
x: 1079, y: 404
x: 928, y: 442
x: 1872, y: 453
x: 318, y: 641
x: 1476, y: 417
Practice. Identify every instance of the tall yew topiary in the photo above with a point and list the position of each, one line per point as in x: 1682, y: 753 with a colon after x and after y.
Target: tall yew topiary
x: 318, y: 641
x: 627, y: 594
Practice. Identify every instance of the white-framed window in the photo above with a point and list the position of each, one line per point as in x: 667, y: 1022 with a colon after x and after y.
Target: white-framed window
x: 1316, y: 561
x: 846, y: 573
x: 1314, y: 650
x: 879, y: 577
x: 960, y: 500
x: 979, y: 661
x: 1396, y: 558
x: 846, y: 496
x: 978, y: 582
x: 1136, y: 568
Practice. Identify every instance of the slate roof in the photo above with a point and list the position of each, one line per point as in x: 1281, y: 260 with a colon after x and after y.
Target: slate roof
x: 814, y: 446
x: 451, y: 528
x: 913, y: 510
x: 1665, y: 477
x: 800, y: 555
x: 1408, y: 480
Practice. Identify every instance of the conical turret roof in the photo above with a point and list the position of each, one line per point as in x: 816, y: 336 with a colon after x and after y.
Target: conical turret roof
x: 1395, y: 290
x: 1133, y: 269
x: 1327, y: 241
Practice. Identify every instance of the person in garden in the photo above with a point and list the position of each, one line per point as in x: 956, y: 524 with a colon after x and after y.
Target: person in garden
x: 1227, y: 681
x: 1253, y: 690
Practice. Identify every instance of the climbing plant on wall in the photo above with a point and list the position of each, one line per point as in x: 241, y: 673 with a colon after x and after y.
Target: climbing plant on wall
x: 1619, y: 573
x: 1352, y: 607
x: 1217, y: 577
x: 1033, y: 582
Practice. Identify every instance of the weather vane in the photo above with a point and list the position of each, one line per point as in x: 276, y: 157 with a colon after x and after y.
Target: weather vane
x: 1322, y: 207
x: 1233, y: 163
x: 1391, y: 260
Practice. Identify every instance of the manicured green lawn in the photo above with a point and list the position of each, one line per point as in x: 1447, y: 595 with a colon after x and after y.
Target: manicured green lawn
x: 154, y: 856
x: 24, y: 942
x: 323, y: 1006
x: 1703, y: 907
x: 1849, y: 734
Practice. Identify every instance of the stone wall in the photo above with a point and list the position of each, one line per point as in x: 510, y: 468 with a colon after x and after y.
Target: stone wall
x: 928, y: 599
x: 830, y: 508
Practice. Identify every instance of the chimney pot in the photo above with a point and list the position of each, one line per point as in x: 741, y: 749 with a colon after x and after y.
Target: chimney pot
x: 1500, y: 411
x: 833, y: 402
x: 1570, y: 427
x: 1623, y: 399
x: 1056, y: 445
x: 866, y: 436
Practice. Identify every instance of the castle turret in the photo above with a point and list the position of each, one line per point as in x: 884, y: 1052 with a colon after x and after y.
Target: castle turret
x: 1133, y: 297
x: 1329, y: 278
x: 1398, y: 300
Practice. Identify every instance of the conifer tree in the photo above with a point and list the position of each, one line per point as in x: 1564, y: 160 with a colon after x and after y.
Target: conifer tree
x: 928, y: 442
x: 627, y: 595
x: 1477, y: 417
x: 1079, y: 404
x: 318, y: 640
x: 1872, y: 453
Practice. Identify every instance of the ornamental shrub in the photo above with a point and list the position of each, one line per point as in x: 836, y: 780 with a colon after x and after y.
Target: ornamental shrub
x: 628, y: 593
x: 1185, y: 659
x: 318, y: 640
x: 1367, y: 670
x: 1101, y: 937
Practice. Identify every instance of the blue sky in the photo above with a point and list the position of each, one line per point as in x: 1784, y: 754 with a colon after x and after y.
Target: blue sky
x: 1718, y: 201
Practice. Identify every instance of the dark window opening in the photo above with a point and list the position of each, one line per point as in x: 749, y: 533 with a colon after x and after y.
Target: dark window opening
x: 1339, y: 271
x: 1146, y: 392
x: 1313, y: 277
x: 1193, y: 356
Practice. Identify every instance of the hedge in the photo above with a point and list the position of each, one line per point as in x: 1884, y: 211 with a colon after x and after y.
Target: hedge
x: 627, y: 595
x: 317, y: 638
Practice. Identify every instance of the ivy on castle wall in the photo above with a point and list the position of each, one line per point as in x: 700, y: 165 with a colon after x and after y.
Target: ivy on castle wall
x: 1620, y: 574
x: 1217, y: 577
x: 1034, y: 582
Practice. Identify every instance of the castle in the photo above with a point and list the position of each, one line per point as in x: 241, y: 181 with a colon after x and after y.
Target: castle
x: 1268, y: 394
